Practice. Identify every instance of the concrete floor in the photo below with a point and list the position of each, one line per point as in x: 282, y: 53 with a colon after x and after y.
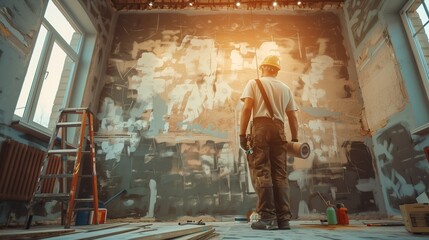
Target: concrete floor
x: 357, y: 229
x: 315, y: 230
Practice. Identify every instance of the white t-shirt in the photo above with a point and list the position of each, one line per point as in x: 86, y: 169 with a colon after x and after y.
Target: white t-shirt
x: 278, y: 93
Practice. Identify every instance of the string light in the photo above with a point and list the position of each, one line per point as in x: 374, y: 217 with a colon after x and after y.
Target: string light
x: 236, y: 4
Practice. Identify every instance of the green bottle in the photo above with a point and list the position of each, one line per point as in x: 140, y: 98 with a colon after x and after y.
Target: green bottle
x: 331, y: 215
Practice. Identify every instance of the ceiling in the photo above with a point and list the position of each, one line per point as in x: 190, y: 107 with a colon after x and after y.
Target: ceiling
x: 125, y: 5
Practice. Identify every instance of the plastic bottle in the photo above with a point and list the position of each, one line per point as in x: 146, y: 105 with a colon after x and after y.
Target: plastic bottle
x: 331, y: 215
x: 342, y: 215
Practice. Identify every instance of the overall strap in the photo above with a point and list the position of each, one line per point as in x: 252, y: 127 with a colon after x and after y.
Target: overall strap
x: 264, y: 95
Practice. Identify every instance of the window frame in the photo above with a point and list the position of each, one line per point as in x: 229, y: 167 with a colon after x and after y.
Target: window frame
x: 52, y: 38
x: 422, y: 63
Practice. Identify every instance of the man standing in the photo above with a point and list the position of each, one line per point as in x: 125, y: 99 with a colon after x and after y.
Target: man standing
x: 268, y: 162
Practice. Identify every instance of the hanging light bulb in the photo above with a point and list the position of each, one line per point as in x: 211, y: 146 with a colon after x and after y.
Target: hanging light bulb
x: 299, y: 3
x: 237, y: 4
x: 275, y: 3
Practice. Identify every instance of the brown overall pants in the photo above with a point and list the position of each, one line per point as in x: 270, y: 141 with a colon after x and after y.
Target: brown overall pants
x: 268, y: 169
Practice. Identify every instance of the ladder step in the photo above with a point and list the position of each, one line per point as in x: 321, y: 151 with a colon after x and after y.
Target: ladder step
x: 52, y: 196
x: 59, y: 151
x: 65, y: 151
x: 83, y: 209
x: 69, y: 124
x: 84, y: 199
x: 73, y: 110
x: 56, y: 176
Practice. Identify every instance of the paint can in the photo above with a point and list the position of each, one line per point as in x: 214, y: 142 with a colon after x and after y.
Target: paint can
x: 331, y: 215
x: 342, y: 214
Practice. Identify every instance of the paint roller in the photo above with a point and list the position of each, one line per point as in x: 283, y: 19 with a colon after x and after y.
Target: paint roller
x: 298, y: 149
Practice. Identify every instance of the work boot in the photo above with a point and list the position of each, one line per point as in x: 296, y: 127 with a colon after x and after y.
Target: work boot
x: 283, y: 225
x: 266, y: 209
x: 264, y: 225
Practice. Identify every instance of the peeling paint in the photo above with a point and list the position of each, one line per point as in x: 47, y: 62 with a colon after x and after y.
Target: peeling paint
x: 9, y: 31
x: 397, y: 160
x: 363, y: 15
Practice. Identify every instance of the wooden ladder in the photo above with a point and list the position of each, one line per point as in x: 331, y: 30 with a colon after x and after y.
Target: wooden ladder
x: 54, y: 167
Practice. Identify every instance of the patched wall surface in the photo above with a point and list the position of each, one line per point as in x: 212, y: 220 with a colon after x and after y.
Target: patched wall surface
x: 170, y: 109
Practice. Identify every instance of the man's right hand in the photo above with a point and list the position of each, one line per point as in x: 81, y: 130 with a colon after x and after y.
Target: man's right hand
x: 243, y: 142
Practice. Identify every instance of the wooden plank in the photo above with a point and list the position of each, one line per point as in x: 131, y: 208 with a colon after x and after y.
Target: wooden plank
x: 89, y: 228
x: 34, y: 233
x: 197, y: 236
x: 210, y: 236
x: 383, y: 224
x: 97, y: 234
x: 127, y: 234
x: 163, y: 232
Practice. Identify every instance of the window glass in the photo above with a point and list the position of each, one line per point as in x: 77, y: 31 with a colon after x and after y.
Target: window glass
x: 57, y: 19
x: 31, y: 71
x: 415, y: 16
x: 55, y: 72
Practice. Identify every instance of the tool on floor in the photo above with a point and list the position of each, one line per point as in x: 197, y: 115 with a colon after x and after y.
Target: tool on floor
x: 383, y: 224
x: 200, y: 222
x: 79, y: 119
x: 240, y: 219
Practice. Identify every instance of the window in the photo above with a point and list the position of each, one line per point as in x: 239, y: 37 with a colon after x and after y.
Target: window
x: 51, y: 70
x: 415, y: 16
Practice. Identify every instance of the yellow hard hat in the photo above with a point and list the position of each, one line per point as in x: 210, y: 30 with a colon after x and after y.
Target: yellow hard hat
x: 272, y: 61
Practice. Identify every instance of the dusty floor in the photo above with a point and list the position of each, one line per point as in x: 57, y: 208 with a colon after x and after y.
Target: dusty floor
x: 316, y: 230
x: 357, y: 229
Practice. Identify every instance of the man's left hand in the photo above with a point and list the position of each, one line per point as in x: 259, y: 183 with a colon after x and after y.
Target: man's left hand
x: 243, y: 142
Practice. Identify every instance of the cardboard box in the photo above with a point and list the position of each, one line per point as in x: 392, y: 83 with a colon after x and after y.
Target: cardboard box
x: 415, y: 217
x: 102, y: 216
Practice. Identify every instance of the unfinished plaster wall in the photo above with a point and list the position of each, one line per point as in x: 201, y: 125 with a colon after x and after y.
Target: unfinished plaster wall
x: 394, y: 101
x: 170, y: 111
